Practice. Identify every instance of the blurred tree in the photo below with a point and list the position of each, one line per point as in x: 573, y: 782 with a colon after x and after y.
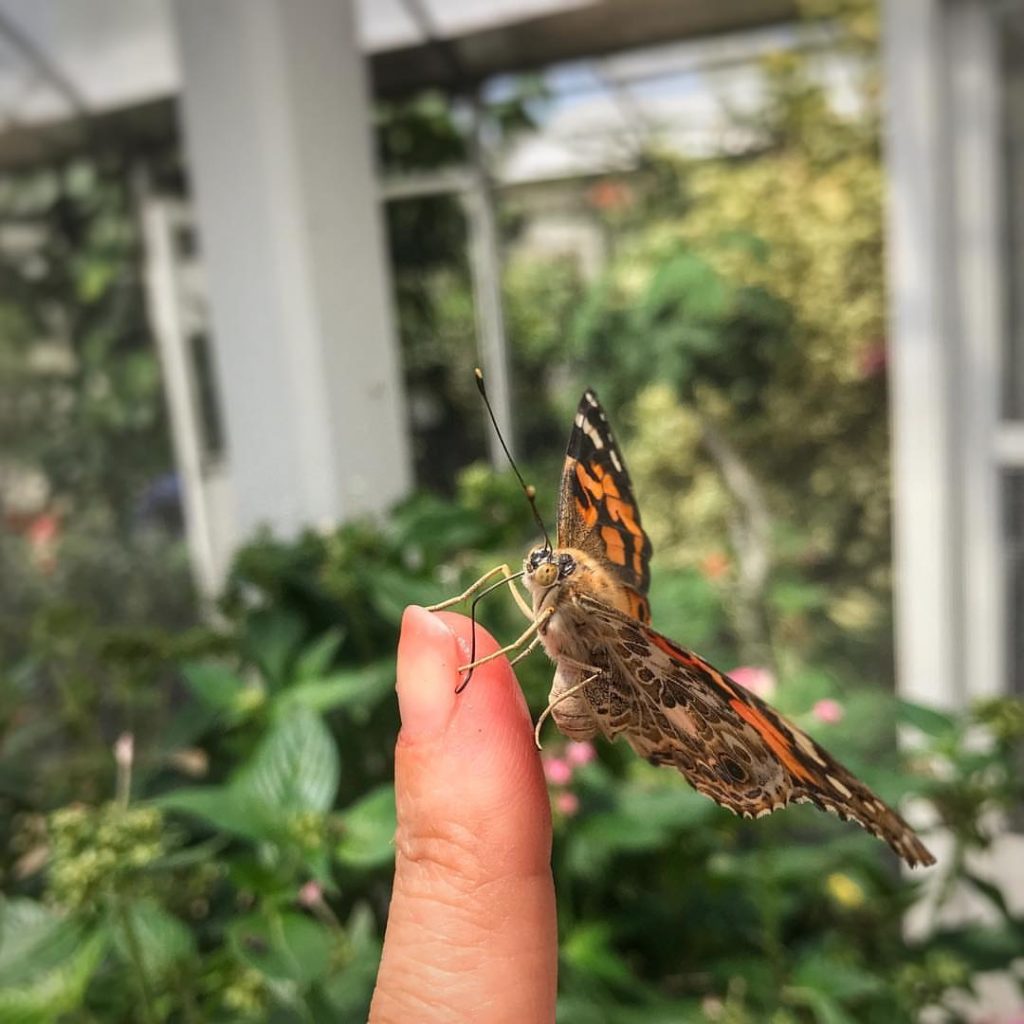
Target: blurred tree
x: 752, y: 289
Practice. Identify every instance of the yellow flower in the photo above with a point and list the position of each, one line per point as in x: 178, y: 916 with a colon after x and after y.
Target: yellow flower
x: 844, y: 890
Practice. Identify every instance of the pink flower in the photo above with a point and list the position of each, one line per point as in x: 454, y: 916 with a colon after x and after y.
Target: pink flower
x: 43, y: 529
x: 872, y: 359
x: 828, y: 711
x: 567, y: 804
x: 578, y: 754
x: 759, y: 681
x: 557, y: 770
x: 310, y: 895
x: 42, y: 534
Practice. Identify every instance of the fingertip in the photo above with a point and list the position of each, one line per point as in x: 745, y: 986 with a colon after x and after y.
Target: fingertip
x: 428, y: 658
x: 493, y: 689
x: 486, y: 724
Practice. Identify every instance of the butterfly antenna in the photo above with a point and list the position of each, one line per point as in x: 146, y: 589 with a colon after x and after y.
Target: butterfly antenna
x: 528, y: 489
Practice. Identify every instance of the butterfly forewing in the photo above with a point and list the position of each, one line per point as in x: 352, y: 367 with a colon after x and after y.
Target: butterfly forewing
x: 597, y: 511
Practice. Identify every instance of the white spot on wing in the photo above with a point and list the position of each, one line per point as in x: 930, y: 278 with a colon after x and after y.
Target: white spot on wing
x: 593, y: 433
x: 804, y: 743
x: 615, y: 459
x: 837, y: 785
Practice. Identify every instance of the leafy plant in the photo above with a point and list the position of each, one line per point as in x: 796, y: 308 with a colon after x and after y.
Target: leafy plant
x: 241, y: 869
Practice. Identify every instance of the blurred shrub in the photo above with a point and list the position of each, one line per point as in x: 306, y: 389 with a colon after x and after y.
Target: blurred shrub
x: 80, y: 395
x: 232, y: 860
x: 91, y: 560
x: 739, y: 334
x: 235, y: 863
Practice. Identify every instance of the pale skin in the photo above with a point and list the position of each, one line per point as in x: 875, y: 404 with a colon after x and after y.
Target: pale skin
x: 471, y: 934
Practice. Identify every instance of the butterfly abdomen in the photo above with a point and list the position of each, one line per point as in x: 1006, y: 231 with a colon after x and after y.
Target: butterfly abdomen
x: 572, y: 713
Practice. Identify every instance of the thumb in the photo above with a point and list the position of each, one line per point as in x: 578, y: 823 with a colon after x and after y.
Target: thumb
x: 471, y: 931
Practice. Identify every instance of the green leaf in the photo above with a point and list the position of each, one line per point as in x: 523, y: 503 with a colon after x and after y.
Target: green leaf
x: 199, y: 853
x: 214, y: 684
x: 797, y: 596
x: 348, y: 990
x: 687, y: 604
x: 587, y: 948
x: 314, y: 660
x: 642, y: 819
x: 163, y: 941
x: 368, y: 839
x: 286, y: 946
x: 272, y: 638
x: 45, y: 963
x: 838, y: 978
x: 27, y: 931
x: 353, y: 689
x: 824, y: 1008
x: 258, y: 875
x: 391, y: 591
x: 984, y: 947
x: 228, y: 809
x: 295, y: 768
x: 686, y: 282
x: 928, y: 720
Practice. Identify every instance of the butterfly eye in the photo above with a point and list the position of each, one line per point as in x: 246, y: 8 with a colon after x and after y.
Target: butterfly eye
x: 537, y: 555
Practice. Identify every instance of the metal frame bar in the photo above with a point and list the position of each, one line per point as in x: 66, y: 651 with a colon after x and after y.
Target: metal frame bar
x: 160, y: 217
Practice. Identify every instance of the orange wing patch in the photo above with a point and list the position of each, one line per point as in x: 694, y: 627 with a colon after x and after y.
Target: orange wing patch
x: 614, y: 548
x: 588, y: 513
x: 675, y: 653
x: 779, y: 745
x: 638, y: 605
x: 601, y: 486
x: 592, y: 486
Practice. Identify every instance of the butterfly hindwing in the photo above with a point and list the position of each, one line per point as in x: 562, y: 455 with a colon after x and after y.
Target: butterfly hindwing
x: 597, y: 511
x: 675, y: 708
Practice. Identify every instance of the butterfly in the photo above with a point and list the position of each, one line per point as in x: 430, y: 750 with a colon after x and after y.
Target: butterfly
x: 617, y: 676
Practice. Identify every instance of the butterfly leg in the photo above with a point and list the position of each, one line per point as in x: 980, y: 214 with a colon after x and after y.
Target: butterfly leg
x: 534, y: 626
x: 558, y: 700
x: 534, y: 644
x: 510, y: 577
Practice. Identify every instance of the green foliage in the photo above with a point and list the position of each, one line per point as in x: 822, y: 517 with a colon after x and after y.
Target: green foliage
x: 89, y: 575
x: 80, y: 396
x: 248, y: 877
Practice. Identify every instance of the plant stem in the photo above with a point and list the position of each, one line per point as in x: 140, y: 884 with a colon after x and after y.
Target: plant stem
x: 135, y: 952
x: 188, y: 1000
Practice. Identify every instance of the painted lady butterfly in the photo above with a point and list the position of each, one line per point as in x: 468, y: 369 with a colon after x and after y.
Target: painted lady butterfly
x: 618, y: 676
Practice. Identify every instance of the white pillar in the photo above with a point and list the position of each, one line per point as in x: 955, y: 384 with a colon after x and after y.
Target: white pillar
x: 922, y: 326
x: 277, y: 127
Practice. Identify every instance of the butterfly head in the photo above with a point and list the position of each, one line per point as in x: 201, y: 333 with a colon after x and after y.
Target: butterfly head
x: 545, y: 567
